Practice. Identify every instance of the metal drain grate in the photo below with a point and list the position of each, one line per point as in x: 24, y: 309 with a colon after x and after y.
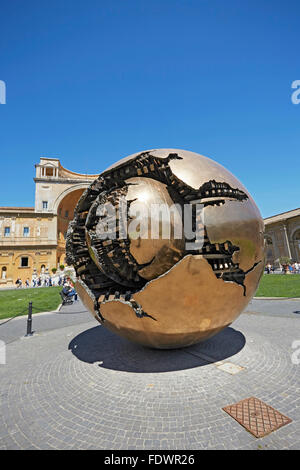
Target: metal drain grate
x: 256, y: 416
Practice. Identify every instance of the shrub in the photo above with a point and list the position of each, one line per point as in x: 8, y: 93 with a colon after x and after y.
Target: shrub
x: 284, y: 260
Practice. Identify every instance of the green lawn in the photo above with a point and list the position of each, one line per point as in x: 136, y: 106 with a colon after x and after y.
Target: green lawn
x: 14, y: 303
x: 279, y: 285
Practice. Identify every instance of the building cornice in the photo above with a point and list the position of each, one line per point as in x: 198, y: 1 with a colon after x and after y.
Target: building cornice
x: 64, y: 180
x: 23, y: 246
x: 21, y: 213
x: 282, y: 217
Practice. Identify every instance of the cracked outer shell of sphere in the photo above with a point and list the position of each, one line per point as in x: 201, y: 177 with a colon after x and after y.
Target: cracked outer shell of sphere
x: 159, y: 292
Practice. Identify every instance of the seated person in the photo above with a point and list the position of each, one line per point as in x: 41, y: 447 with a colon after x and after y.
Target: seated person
x: 69, y: 290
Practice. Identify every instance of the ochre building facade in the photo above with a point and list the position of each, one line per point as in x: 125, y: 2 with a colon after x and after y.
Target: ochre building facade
x: 282, y: 237
x: 32, y: 239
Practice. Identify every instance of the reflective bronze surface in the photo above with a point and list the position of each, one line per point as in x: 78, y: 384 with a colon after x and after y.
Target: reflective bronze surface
x: 152, y: 288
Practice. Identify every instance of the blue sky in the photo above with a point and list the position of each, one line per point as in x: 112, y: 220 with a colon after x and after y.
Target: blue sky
x: 93, y: 81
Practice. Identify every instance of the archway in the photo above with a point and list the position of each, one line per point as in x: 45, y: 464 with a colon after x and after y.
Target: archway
x: 4, y: 273
x: 65, y: 213
x: 269, y: 250
x: 296, y: 243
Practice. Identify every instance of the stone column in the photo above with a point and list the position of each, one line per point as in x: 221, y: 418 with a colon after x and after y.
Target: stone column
x: 275, y: 247
x: 287, y: 241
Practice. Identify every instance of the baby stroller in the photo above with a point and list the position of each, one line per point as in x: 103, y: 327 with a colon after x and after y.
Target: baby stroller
x: 67, y: 297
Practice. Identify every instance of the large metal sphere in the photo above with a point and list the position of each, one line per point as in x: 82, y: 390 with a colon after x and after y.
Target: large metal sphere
x: 153, y: 287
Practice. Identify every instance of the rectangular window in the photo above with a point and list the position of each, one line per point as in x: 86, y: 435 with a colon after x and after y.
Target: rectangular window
x: 49, y: 171
x: 6, y: 231
x: 26, y: 232
x: 67, y: 214
x: 45, y: 204
x: 24, y: 262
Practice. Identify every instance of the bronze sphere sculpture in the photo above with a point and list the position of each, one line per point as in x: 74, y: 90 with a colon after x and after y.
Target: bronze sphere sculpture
x: 167, y: 246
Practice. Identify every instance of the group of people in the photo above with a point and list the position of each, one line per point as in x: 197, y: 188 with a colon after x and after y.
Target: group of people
x: 68, y: 289
x: 19, y: 283
x: 292, y: 268
x: 41, y: 282
x: 269, y: 268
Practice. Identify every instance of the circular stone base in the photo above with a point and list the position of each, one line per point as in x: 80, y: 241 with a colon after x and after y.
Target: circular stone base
x: 97, y: 390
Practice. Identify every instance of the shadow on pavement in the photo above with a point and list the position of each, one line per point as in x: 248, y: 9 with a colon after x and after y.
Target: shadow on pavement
x: 112, y: 352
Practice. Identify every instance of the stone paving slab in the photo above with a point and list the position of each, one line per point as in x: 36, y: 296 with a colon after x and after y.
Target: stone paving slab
x: 274, y: 307
x: 81, y: 387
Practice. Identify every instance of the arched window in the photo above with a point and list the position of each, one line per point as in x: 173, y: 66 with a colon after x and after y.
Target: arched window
x: 296, y: 242
x: 3, y: 272
x: 297, y: 235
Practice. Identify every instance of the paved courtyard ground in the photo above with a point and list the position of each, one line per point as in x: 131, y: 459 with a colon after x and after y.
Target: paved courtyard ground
x: 75, y: 385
